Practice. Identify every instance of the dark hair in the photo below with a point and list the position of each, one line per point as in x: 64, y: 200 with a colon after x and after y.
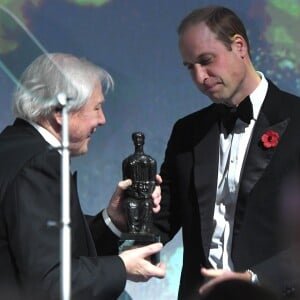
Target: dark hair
x: 220, y: 20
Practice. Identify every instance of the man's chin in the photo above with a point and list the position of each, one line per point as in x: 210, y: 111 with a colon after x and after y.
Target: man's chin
x: 214, y: 97
x: 218, y: 100
x: 78, y: 152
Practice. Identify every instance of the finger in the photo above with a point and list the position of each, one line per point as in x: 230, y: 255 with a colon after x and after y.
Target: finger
x: 156, y: 198
x: 158, y: 271
x: 156, y: 203
x: 212, y: 272
x: 162, y: 265
x: 156, y: 208
x: 158, y: 179
x: 204, y: 289
x: 156, y: 192
x: 150, y: 249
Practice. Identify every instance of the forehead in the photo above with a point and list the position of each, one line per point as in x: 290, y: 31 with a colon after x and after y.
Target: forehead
x: 198, y: 39
x: 96, y: 97
x: 97, y: 94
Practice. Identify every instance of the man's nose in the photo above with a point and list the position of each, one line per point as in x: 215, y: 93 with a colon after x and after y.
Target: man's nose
x: 101, y: 117
x: 199, y: 74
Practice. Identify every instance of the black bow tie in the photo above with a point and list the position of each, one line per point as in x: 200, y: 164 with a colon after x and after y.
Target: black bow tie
x: 229, y: 115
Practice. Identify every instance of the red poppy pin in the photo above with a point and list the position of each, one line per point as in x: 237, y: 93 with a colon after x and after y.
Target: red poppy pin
x: 270, y: 139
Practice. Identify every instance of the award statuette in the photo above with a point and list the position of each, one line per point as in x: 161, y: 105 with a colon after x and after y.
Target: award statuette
x: 141, y: 169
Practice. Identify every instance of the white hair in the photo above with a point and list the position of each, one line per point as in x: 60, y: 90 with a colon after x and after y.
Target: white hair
x: 51, y: 74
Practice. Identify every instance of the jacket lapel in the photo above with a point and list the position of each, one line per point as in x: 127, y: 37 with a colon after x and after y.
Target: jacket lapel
x: 259, y: 157
x: 206, y: 156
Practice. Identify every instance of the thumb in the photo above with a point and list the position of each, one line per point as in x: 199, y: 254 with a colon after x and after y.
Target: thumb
x: 124, y: 184
x: 121, y: 187
x: 115, y: 201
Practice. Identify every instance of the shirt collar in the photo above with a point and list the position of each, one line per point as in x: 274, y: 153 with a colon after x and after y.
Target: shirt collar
x: 258, y: 95
x: 48, y: 136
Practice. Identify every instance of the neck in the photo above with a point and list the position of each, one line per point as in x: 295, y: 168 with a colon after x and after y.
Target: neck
x: 51, y: 126
x: 247, y: 86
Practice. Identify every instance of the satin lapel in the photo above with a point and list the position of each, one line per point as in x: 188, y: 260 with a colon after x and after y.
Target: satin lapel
x: 258, y: 157
x: 205, y: 174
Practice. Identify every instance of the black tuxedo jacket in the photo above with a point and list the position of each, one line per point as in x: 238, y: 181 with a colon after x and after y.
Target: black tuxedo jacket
x: 29, y: 248
x: 189, y: 174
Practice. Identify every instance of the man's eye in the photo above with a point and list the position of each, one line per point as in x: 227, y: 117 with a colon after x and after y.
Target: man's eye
x: 189, y: 66
x: 204, y: 61
x: 201, y: 61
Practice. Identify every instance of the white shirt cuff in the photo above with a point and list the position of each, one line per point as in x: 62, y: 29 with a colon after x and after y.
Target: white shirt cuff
x: 110, y: 224
x: 254, y: 278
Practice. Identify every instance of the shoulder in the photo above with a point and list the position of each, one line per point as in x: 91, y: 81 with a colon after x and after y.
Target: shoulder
x: 277, y: 93
x: 189, y: 130
x: 22, y: 149
x: 201, y: 118
x: 280, y: 104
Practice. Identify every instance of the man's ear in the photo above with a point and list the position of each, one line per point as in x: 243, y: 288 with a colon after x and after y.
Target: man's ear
x: 57, y: 116
x: 240, y: 45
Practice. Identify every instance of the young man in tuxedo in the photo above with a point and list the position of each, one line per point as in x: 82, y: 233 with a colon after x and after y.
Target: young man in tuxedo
x: 224, y: 165
x: 30, y: 192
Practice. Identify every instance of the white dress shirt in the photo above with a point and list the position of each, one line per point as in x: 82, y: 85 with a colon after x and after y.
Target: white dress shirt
x: 232, y: 152
x: 47, y: 135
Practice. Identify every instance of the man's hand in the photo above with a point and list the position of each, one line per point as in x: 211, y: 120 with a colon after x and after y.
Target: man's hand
x: 115, y: 209
x: 138, y: 266
x: 156, y: 195
x: 218, y: 275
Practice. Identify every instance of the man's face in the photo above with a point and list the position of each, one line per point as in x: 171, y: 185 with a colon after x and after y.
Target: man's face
x: 84, y: 122
x: 217, y: 71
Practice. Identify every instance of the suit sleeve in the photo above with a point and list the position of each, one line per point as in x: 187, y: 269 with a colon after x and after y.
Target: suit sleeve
x: 106, y: 242
x: 169, y: 219
x: 32, y: 200
x: 281, y: 273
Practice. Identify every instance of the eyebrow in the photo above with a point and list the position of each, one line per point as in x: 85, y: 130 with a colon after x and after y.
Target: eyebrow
x: 198, y: 58
x: 185, y: 63
x: 99, y: 104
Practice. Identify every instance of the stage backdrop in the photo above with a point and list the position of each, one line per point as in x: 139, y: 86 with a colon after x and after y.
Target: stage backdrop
x: 136, y: 41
